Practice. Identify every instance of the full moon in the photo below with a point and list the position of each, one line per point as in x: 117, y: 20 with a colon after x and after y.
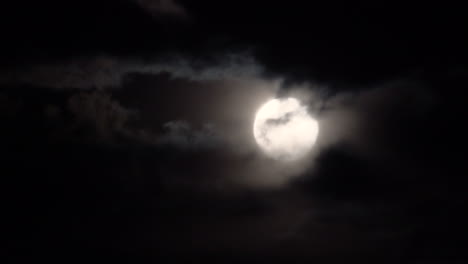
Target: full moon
x: 284, y: 130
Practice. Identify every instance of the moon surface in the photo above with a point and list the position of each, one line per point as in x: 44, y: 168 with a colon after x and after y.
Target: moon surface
x: 284, y: 130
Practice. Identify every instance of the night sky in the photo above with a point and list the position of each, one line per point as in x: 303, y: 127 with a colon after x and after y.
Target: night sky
x: 127, y: 135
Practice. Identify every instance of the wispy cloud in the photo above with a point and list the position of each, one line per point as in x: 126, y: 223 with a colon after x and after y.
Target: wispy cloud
x: 107, y: 72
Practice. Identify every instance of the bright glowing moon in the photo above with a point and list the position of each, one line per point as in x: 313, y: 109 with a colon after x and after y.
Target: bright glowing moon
x: 284, y: 130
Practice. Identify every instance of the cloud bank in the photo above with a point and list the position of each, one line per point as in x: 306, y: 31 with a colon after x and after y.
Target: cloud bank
x: 216, y: 102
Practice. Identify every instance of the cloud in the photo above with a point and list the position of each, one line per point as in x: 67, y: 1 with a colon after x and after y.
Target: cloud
x: 81, y: 73
x: 216, y: 113
x: 99, y: 111
x: 379, y: 131
x: 367, y: 118
x: 107, y: 72
x: 182, y: 135
x: 382, y: 114
x: 164, y: 8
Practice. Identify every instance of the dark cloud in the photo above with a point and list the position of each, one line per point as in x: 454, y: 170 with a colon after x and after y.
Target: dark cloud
x: 367, y: 121
x: 279, y: 121
x: 164, y: 8
x: 99, y: 72
x: 181, y: 134
x: 98, y: 110
x: 104, y: 72
x: 369, y: 118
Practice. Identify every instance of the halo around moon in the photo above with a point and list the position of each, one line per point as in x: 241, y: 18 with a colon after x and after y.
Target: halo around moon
x: 284, y: 130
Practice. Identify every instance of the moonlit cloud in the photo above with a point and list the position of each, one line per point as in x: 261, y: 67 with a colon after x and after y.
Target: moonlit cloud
x: 107, y: 72
x: 219, y: 102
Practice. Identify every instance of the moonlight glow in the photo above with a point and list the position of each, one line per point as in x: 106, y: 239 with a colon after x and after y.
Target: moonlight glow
x: 284, y: 130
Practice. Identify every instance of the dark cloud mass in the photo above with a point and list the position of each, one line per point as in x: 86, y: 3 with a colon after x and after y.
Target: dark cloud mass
x: 164, y: 7
x: 127, y: 132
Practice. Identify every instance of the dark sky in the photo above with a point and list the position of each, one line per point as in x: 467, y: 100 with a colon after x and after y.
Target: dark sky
x: 127, y: 131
